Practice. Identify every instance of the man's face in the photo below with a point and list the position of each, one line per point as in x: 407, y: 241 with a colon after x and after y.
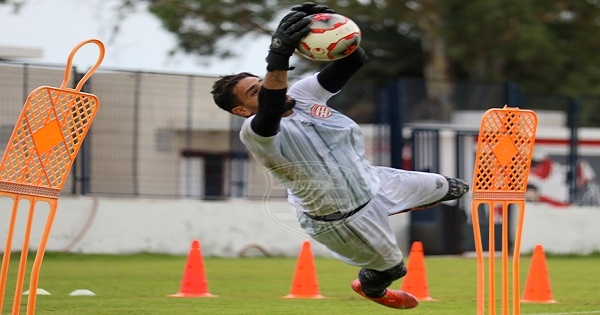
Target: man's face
x: 246, y: 90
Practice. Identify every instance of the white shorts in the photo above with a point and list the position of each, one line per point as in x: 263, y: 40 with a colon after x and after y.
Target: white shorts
x: 366, y: 239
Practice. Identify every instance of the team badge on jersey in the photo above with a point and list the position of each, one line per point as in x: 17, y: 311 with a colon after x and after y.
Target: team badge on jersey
x: 320, y: 111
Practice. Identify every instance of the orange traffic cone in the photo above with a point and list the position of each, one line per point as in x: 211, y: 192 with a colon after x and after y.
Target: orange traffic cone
x: 537, y: 287
x: 305, y: 283
x: 194, y: 282
x: 415, y: 281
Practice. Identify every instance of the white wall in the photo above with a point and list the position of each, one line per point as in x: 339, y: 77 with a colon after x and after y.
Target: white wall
x: 105, y: 225
x: 572, y: 230
x: 224, y: 228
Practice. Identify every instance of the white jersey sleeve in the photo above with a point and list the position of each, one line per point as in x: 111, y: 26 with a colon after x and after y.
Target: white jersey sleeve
x: 308, y: 91
x: 260, y: 147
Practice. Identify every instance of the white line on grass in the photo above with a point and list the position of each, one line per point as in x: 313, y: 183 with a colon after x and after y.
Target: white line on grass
x: 569, y: 313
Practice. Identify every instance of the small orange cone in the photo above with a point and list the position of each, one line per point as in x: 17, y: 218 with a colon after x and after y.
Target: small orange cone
x: 537, y: 287
x: 415, y: 281
x: 194, y: 282
x: 305, y: 285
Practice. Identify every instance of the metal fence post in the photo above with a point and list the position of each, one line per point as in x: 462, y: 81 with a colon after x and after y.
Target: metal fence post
x: 573, y: 123
x: 395, y: 91
x: 136, y: 133
x: 84, y: 153
x: 512, y: 94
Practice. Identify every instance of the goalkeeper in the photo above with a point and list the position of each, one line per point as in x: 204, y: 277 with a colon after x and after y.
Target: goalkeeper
x: 318, y: 154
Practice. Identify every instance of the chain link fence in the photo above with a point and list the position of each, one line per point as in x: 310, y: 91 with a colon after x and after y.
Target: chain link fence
x: 160, y: 135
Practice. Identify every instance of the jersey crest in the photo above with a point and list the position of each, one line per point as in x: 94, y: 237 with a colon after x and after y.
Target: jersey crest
x: 320, y: 111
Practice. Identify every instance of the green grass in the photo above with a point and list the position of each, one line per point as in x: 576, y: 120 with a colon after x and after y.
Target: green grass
x: 138, y: 284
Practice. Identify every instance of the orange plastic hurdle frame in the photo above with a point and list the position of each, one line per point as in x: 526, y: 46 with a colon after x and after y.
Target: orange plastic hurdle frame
x: 502, y: 164
x: 37, y: 161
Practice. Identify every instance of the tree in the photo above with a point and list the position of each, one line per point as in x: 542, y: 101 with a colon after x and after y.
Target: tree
x: 16, y: 4
x: 528, y: 42
x: 400, y: 47
x: 543, y: 46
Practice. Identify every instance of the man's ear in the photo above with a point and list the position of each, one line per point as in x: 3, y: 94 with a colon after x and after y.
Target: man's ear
x: 240, y: 111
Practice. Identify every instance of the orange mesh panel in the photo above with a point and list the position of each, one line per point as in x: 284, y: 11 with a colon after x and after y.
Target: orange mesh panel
x: 47, y: 137
x: 49, y: 133
x: 37, y: 161
x: 504, y: 151
x: 502, y: 163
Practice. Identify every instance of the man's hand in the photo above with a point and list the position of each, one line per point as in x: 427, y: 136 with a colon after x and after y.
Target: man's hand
x: 312, y: 8
x: 292, y: 28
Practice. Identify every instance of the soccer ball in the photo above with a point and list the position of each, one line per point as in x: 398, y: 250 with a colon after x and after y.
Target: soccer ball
x: 332, y: 37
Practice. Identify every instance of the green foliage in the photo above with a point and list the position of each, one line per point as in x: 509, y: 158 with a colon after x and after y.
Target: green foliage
x: 206, y: 27
x: 540, y: 45
x: 200, y: 25
x: 14, y: 4
x: 543, y: 46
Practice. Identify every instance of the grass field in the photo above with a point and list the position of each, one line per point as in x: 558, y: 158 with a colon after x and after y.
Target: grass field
x: 138, y: 284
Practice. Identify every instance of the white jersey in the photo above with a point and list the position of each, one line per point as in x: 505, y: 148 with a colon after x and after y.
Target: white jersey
x: 318, y: 154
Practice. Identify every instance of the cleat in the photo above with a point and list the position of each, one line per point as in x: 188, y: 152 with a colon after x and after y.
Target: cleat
x: 392, y: 298
x: 456, y: 188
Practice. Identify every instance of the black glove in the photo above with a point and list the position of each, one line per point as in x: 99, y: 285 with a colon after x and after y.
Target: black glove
x: 312, y: 8
x: 292, y: 28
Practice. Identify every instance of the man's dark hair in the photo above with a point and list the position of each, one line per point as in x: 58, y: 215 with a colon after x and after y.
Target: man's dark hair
x: 222, y: 90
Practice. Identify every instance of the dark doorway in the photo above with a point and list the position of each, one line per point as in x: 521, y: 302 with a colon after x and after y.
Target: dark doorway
x: 214, y: 167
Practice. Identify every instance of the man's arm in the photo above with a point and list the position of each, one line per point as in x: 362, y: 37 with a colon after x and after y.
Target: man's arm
x: 271, y: 103
x: 272, y: 95
x: 275, y: 80
x: 336, y: 74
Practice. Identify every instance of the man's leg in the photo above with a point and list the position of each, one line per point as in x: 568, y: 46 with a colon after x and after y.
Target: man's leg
x: 456, y: 189
x: 372, y: 284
